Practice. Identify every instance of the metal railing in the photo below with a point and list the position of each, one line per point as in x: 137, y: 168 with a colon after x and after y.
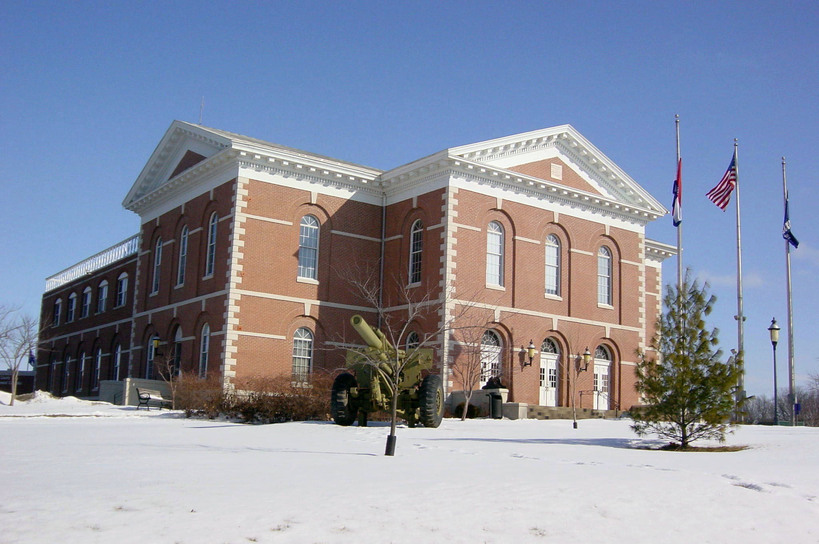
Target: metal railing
x: 124, y: 249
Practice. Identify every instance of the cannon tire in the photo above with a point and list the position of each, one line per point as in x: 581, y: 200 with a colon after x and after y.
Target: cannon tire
x: 431, y: 400
x: 342, y: 405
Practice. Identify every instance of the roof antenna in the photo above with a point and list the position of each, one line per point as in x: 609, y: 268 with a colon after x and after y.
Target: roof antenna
x: 201, y: 109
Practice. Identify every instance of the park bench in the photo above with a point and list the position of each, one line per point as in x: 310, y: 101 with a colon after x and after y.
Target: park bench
x: 148, y: 396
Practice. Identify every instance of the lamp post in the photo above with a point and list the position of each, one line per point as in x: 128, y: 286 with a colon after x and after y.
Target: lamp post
x: 587, y: 357
x: 774, y: 332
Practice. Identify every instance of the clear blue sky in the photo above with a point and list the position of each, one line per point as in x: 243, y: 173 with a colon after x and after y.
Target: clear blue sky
x: 87, y: 89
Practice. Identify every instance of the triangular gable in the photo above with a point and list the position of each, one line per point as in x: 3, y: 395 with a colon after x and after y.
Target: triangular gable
x: 561, y: 156
x: 183, y: 146
x: 558, y: 171
x: 191, y: 158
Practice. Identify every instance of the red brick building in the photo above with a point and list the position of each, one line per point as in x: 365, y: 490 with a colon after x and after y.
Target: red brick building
x: 245, y: 251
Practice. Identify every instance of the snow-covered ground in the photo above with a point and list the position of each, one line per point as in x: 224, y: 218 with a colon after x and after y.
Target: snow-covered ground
x: 105, y: 473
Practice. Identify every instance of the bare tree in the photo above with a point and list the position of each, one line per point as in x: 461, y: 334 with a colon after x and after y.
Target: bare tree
x: 169, y: 370
x: 467, y: 367
x: 18, y: 340
x: 412, y: 308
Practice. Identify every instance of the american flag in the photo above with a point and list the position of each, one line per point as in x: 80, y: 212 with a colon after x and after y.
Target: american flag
x: 721, y: 194
x: 676, y: 209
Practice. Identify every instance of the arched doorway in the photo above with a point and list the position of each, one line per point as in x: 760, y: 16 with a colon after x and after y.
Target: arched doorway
x: 602, y: 377
x: 549, y: 365
x: 491, y: 349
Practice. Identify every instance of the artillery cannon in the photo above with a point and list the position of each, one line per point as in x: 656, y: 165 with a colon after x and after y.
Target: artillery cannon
x: 371, y: 384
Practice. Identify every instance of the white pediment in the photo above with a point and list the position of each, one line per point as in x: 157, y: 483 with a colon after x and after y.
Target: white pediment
x: 561, y: 156
x: 182, y: 146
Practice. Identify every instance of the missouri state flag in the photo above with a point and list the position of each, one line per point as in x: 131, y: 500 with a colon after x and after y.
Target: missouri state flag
x: 676, y: 209
x: 721, y: 194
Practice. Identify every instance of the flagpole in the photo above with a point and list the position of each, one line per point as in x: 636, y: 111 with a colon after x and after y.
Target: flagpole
x: 740, y: 317
x: 679, y: 226
x: 791, y: 374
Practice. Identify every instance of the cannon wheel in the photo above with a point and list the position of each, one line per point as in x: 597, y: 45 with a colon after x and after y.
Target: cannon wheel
x: 431, y: 398
x: 342, y: 407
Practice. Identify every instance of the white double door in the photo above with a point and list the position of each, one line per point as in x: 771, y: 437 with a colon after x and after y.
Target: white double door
x: 601, y: 384
x: 548, y: 379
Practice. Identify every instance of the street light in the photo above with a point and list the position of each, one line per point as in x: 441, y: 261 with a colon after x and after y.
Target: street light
x: 774, y: 332
x: 587, y: 357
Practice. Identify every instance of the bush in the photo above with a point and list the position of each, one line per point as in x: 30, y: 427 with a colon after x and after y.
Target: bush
x: 472, y: 412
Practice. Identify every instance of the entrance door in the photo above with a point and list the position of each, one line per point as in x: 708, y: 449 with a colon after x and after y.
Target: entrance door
x: 491, y: 350
x: 602, y: 366
x: 549, y: 357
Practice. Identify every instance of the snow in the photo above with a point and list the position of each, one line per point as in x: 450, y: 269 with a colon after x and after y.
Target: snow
x: 78, y: 471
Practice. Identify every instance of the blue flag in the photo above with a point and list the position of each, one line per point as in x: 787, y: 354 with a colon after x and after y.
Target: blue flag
x: 786, y: 227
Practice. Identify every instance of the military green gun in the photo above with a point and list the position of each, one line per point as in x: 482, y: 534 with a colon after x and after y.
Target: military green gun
x: 370, y: 385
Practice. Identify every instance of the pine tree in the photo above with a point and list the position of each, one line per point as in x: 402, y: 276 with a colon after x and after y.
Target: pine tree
x: 687, y: 391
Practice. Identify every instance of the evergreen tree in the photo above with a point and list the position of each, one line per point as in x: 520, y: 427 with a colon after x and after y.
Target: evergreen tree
x: 687, y: 391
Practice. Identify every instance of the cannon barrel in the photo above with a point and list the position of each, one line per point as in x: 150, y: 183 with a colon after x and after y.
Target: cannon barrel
x: 366, y: 332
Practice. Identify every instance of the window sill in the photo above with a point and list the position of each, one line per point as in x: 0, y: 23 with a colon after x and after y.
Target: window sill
x: 208, y: 277
x: 309, y: 281
x: 605, y: 306
x: 496, y: 287
x: 414, y: 285
x: 552, y: 297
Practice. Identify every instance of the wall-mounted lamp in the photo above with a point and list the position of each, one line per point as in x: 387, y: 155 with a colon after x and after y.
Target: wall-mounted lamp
x: 155, y: 345
x: 587, y: 357
x: 530, y: 352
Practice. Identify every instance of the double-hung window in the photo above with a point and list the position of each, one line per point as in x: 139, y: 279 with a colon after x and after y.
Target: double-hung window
x: 308, y: 247
x: 416, y: 251
x: 494, y: 254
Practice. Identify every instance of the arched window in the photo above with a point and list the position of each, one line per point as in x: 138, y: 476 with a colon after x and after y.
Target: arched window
x: 491, y: 349
x: 95, y: 370
x: 102, y: 296
x: 157, y: 265
x: 80, y: 377
x: 413, y: 340
x: 204, y: 348
x: 604, y: 276
x: 85, y: 307
x: 66, y: 373
x: 153, y: 344
x: 58, y: 310
x: 210, y: 256
x: 552, y: 265
x: 117, y: 365
x: 494, y: 254
x: 416, y: 251
x: 302, y: 354
x: 177, y: 351
x: 183, y: 256
x: 308, y: 247
x: 122, y: 290
x: 72, y: 307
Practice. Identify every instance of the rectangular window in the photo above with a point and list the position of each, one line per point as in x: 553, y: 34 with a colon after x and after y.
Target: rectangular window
x: 157, y: 266
x: 86, y: 303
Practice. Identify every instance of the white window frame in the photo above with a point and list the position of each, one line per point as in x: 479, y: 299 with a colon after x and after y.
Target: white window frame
x: 309, y: 234
x: 604, y: 273
x: 183, y: 256
x: 122, y: 290
x: 416, y: 252
x: 553, y: 266
x: 150, y: 357
x: 495, y: 241
x: 80, y: 377
x: 85, y: 306
x: 302, y: 359
x: 204, y: 349
x: 117, y: 361
x: 210, y: 251
x: 102, y: 296
x: 71, y: 308
x: 157, y: 266
x: 96, y: 368
x: 58, y: 310
x: 491, y: 356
